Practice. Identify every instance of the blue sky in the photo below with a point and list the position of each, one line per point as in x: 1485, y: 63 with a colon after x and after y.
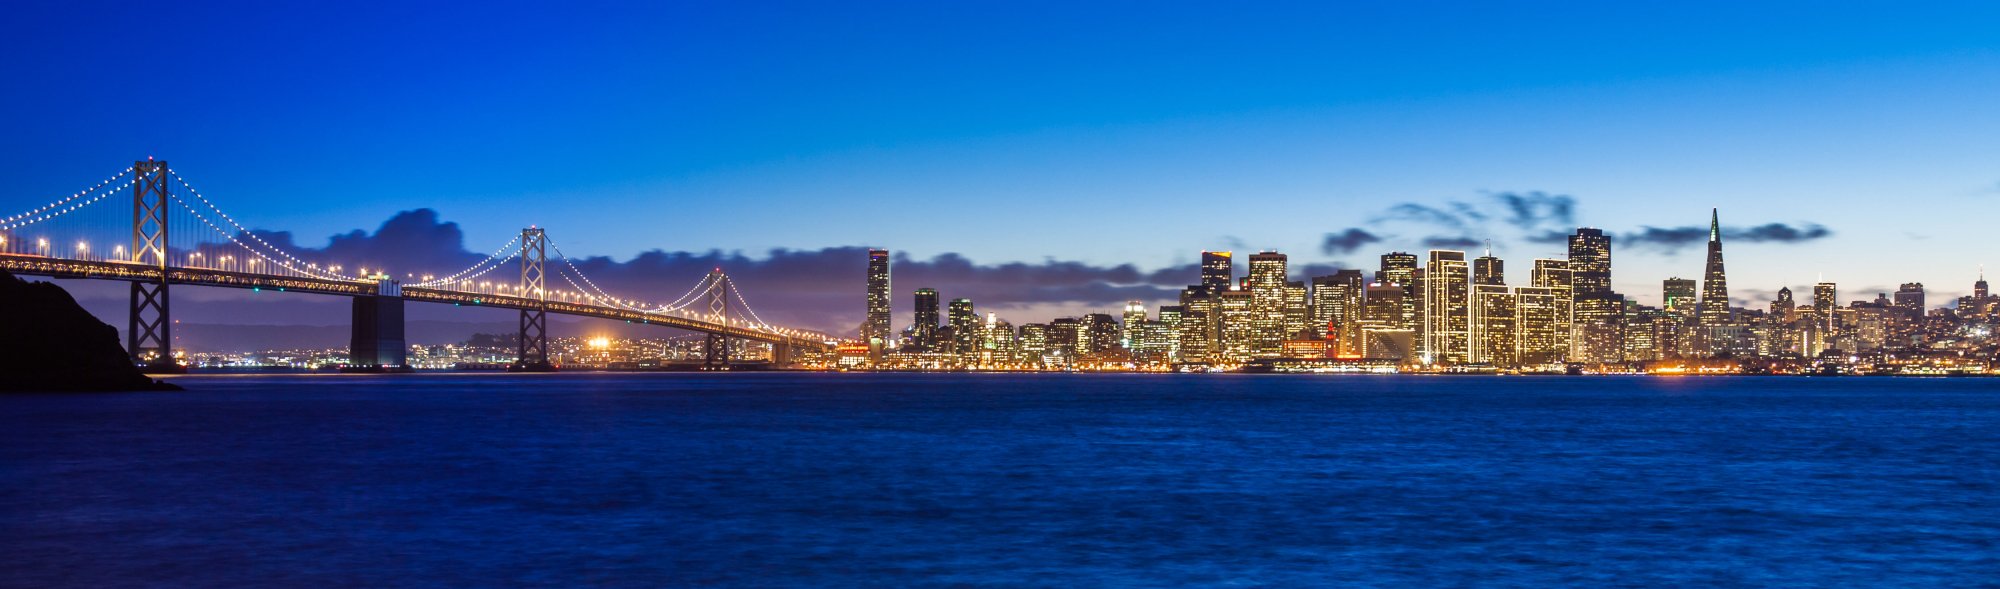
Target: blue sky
x: 1105, y: 133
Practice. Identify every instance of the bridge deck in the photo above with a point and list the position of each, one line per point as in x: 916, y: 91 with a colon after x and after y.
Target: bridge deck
x: 33, y: 265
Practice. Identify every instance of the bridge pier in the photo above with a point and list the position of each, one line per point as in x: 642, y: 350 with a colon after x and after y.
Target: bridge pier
x: 781, y: 355
x: 149, y: 333
x: 377, y: 344
x: 532, y: 349
x: 715, y: 352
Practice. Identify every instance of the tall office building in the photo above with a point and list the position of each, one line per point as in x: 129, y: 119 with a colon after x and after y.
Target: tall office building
x: 1216, y: 270
x: 1824, y: 303
x: 1236, y: 340
x: 1554, y: 278
x: 1298, y: 312
x: 1714, y: 286
x: 924, y: 327
x: 965, y: 327
x: 1170, y: 321
x: 1493, y: 326
x: 1590, y: 262
x: 1447, y: 309
x: 1100, y: 333
x: 1541, y: 325
x: 1267, y: 281
x: 1979, y: 287
x: 876, y: 328
x: 1199, y: 325
x: 1598, y: 336
x: 1400, y: 269
x: 1489, y: 270
x: 1677, y: 296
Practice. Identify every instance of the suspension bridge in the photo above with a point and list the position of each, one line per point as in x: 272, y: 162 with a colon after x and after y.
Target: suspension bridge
x: 175, y: 236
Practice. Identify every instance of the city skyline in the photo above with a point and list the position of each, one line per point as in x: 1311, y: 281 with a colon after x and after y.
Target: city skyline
x: 1372, y: 127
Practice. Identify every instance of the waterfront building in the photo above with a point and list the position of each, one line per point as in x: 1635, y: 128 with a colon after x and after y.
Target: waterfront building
x: 1400, y: 269
x: 924, y: 326
x: 1200, y: 326
x: 1336, y: 308
x: 1099, y: 333
x: 1447, y: 309
x: 1298, y: 314
x: 1134, y: 328
x: 1170, y: 324
x: 1494, y: 324
x: 1541, y: 325
x: 1033, y: 343
x: 1236, y: 324
x: 1267, y: 282
x: 965, y: 327
x: 876, y: 329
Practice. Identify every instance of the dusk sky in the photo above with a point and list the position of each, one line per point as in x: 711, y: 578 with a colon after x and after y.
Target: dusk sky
x: 1095, y: 134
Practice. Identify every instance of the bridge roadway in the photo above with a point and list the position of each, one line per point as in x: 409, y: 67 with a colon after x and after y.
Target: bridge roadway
x: 33, y: 265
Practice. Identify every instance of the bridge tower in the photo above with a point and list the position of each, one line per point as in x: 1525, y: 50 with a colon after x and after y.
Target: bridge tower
x: 149, y: 334
x: 716, y: 346
x: 532, y: 353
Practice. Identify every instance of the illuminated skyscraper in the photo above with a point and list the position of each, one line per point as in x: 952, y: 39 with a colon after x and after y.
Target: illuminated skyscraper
x: 1590, y: 262
x: 1714, y: 307
x: 1824, y: 302
x: 1489, y: 270
x: 924, y: 327
x: 1979, y: 288
x: 1493, y: 325
x: 1598, y: 336
x: 1298, y: 313
x: 1237, y: 340
x: 1215, y: 271
x: 876, y: 328
x: 1199, y: 326
x: 1267, y: 281
x: 1553, y: 278
x: 1400, y: 269
x: 1447, y: 309
x: 1100, y: 333
x: 965, y: 327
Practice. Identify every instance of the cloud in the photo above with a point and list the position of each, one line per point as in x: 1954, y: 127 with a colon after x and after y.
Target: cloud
x: 1777, y: 232
x: 1346, y: 242
x: 812, y: 288
x: 1535, y: 209
x: 1450, y: 242
x: 1422, y: 214
x: 1672, y: 239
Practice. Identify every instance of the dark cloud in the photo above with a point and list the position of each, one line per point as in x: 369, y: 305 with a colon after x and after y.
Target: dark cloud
x: 1548, y: 236
x: 1450, y: 242
x: 1346, y: 242
x: 1665, y: 239
x: 1672, y: 239
x: 1777, y: 232
x: 815, y: 288
x: 1538, y: 210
